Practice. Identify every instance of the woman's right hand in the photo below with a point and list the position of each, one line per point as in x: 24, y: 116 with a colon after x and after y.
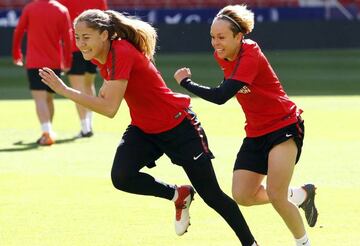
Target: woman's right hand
x: 52, y: 80
x: 181, y: 74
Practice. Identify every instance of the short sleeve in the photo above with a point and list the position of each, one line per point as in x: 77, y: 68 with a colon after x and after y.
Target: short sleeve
x: 247, y: 66
x: 122, y: 62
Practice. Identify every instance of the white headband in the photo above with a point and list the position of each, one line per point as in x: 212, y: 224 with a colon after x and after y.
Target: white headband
x: 232, y: 20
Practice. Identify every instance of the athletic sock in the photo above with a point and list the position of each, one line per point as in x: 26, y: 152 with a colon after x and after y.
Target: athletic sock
x: 46, y: 127
x: 297, y: 195
x: 85, y: 128
x: 304, y: 241
x: 89, y: 117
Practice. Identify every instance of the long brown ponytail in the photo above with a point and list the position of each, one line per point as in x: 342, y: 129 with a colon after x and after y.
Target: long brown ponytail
x: 139, y: 33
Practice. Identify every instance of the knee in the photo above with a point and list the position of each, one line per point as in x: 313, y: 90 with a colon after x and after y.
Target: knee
x: 242, y: 199
x: 276, y: 197
x: 119, y: 179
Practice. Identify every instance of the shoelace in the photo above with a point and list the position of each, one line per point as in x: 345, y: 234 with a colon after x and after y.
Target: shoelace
x: 179, y: 208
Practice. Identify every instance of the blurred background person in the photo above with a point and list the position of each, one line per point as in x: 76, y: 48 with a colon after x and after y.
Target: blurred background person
x: 82, y: 73
x: 49, y: 36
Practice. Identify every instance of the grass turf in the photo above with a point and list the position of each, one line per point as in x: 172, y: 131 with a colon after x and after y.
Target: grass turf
x: 62, y: 195
x: 309, y: 72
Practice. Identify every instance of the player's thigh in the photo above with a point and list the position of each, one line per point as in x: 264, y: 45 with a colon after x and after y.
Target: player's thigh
x: 89, y: 79
x: 246, y: 183
x: 135, y: 151
x: 76, y: 81
x: 281, y: 165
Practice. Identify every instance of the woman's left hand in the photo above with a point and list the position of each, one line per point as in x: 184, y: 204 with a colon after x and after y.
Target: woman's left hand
x: 52, y: 80
x: 182, y: 73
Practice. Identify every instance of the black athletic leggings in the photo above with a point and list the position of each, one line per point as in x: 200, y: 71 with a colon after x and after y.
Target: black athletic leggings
x: 126, y: 177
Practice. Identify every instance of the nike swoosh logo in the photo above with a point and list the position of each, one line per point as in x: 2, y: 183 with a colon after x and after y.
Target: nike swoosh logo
x: 311, y: 215
x: 288, y: 135
x: 198, y: 156
x: 307, y: 240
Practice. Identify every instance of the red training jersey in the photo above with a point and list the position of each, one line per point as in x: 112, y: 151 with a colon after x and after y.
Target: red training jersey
x: 76, y: 7
x: 154, y: 108
x: 265, y: 104
x: 47, y: 24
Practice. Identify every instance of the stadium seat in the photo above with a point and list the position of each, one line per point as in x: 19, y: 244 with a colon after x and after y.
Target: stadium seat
x: 153, y: 4
x: 13, y: 3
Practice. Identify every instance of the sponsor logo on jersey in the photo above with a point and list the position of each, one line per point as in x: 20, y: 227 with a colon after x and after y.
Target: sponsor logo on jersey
x: 244, y: 90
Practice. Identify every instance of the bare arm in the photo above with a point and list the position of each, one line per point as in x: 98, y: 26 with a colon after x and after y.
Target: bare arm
x: 106, y: 103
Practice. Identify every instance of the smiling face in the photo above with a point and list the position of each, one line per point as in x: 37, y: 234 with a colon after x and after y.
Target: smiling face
x: 226, y: 44
x: 92, y: 43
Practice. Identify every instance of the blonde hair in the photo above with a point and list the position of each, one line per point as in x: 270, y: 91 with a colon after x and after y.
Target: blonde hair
x: 240, y: 17
x: 139, y: 33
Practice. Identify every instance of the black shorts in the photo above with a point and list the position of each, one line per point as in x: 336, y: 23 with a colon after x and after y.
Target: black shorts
x: 35, y: 82
x: 185, y: 144
x: 80, y: 66
x: 254, y: 152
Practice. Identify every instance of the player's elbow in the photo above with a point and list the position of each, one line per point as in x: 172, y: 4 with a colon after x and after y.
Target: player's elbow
x: 110, y: 112
x: 111, y: 116
x: 220, y: 100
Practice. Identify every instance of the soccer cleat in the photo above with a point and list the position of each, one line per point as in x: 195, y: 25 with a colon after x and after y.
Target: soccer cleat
x: 85, y: 135
x: 182, y: 205
x: 46, y: 139
x: 311, y: 213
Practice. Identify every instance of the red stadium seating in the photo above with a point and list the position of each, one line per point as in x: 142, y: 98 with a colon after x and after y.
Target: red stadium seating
x: 13, y: 3
x: 150, y: 4
x: 197, y: 3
